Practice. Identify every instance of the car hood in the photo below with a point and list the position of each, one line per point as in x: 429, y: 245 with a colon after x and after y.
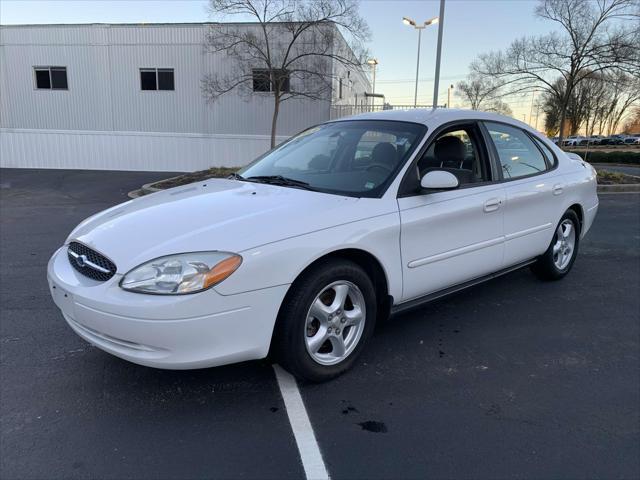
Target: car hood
x: 225, y: 215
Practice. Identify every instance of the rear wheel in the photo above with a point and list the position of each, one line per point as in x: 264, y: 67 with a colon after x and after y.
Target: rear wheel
x: 556, y: 262
x: 326, y: 319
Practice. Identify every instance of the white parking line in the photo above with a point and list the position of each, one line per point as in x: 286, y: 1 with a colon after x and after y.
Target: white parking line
x: 308, y: 448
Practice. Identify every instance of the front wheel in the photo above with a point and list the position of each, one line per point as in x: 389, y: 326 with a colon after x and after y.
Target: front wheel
x: 556, y: 262
x: 326, y: 319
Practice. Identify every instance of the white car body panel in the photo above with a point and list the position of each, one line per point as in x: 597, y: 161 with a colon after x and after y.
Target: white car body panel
x: 233, y: 216
x: 423, y: 243
x: 449, y: 237
x: 527, y: 236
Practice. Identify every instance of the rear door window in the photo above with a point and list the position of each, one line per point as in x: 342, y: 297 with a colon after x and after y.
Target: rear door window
x: 517, y: 154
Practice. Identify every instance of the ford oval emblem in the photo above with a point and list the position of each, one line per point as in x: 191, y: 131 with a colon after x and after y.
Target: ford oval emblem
x: 81, y: 260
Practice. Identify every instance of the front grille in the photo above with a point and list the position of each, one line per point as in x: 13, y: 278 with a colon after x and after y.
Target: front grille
x: 90, y: 263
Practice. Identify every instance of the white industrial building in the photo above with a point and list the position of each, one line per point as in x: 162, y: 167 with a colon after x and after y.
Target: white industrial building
x: 129, y: 97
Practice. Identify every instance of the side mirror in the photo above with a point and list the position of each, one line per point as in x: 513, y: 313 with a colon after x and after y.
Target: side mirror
x: 439, y: 180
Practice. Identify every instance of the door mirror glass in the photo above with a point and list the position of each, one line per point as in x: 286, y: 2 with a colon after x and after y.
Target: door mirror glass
x: 439, y: 180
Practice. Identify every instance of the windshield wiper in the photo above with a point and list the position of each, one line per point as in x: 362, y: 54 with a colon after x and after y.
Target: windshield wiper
x: 235, y: 176
x: 280, y: 180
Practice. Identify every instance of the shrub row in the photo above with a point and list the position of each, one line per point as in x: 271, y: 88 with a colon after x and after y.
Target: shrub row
x: 611, y: 157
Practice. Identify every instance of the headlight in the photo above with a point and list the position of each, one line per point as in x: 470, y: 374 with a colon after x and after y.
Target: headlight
x: 181, y: 273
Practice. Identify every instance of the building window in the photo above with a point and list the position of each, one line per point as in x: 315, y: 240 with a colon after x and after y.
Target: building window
x: 265, y: 80
x: 51, y: 78
x: 340, y: 88
x: 261, y: 81
x: 156, y: 79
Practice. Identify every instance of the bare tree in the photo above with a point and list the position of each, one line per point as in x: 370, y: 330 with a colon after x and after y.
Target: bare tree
x: 585, y: 99
x: 551, y: 118
x: 498, y: 106
x: 291, y: 49
x: 551, y: 100
x: 624, y: 93
x: 478, y: 90
x: 596, y: 36
x: 599, y: 103
x: 632, y: 125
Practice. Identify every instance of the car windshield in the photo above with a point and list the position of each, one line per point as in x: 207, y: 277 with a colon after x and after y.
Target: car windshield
x: 356, y: 158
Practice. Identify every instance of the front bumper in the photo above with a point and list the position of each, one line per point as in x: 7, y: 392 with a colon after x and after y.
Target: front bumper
x: 174, y: 332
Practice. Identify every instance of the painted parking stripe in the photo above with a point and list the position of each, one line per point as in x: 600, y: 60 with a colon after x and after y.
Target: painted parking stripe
x: 308, y: 448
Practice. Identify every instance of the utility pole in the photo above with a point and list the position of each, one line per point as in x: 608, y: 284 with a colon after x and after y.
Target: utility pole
x: 415, y: 96
x: 449, y: 96
x: 438, y: 54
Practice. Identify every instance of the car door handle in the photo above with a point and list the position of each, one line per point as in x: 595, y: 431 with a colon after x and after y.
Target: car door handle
x: 558, y: 189
x: 492, y: 205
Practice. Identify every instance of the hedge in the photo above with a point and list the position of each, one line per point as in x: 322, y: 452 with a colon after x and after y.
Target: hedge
x: 612, y: 157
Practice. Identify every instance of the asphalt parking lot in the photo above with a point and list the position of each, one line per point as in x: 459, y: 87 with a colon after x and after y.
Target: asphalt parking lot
x: 515, y: 378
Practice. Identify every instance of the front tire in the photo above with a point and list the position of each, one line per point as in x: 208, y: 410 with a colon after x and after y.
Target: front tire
x: 325, y: 320
x: 557, y: 261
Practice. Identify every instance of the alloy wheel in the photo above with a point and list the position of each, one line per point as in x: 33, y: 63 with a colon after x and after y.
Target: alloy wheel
x: 565, y: 244
x: 335, y: 322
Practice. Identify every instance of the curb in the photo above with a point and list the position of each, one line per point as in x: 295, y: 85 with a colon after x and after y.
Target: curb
x: 135, y: 193
x: 148, y: 188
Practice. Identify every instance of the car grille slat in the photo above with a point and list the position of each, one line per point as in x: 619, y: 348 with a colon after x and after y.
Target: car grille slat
x: 90, y: 263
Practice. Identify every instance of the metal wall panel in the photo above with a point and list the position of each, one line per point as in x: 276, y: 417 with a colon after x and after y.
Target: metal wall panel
x: 20, y: 148
x: 104, y: 95
x: 103, y: 68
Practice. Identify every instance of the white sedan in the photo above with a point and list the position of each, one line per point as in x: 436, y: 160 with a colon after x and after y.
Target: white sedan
x: 305, y: 248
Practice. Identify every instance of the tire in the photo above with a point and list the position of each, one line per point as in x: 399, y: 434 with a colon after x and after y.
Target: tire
x: 555, y: 263
x: 300, y: 329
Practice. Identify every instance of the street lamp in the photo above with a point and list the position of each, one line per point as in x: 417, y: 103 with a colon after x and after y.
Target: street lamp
x: 374, y: 63
x: 410, y: 22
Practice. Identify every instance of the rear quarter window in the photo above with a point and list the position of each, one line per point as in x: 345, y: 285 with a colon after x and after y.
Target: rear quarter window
x: 548, y: 153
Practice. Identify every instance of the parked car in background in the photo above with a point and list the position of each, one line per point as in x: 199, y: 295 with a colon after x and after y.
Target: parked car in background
x: 591, y: 140
x: 613, y: 140
x: 303, y: 250
x: 573, y: 140
x: 632, y: 140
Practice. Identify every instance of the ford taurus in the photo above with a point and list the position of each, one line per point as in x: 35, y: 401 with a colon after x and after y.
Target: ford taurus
x: 300, y: 252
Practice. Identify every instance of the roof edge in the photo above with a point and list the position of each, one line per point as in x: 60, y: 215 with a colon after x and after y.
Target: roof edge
x: 130, y: 24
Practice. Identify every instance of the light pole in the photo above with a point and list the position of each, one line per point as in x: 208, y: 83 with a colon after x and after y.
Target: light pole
x: 449, y: 95
x: 412, y: 23
x: 533, y: 96
x: 374, y: 63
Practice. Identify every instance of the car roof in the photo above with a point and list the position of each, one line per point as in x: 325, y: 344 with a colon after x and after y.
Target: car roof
x: 437, y: 116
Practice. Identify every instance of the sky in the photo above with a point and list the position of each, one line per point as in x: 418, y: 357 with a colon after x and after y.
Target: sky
x: 471, y: 27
